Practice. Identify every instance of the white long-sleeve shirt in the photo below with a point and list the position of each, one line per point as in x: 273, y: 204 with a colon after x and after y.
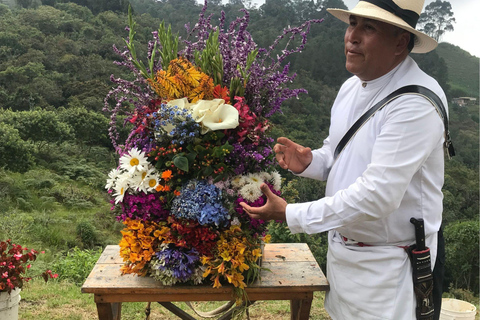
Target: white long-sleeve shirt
x: 390, y: 171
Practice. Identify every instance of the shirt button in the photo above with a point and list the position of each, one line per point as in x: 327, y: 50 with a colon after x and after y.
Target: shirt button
x: 364, y: 84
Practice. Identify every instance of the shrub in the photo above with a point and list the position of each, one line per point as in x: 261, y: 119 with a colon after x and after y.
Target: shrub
x: 461, y: 254
x: 87, y: 233
x: 76, y: 265
x: 15, y: 153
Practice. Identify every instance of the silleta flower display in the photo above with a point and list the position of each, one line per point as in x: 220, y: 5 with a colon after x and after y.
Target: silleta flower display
x: 198, y: 147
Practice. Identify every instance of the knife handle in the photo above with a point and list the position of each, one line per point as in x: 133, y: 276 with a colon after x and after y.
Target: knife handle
x: 419, y: 233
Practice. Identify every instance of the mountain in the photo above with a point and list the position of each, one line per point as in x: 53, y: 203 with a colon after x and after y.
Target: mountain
x: 463, y: 69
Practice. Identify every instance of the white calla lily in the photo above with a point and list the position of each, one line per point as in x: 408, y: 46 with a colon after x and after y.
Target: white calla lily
x: 215, y: 115
x: 180, y: 103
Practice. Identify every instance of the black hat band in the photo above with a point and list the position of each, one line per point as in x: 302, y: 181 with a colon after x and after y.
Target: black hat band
x: 409, y: 16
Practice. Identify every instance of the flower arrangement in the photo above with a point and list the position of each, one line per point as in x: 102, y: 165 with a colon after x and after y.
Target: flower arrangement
x: 198, y: 147
x: 14, y: 261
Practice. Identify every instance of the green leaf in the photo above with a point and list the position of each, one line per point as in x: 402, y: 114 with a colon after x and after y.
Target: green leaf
x: 181, y: 163
x: 207, y: 171
x: 199, y: 149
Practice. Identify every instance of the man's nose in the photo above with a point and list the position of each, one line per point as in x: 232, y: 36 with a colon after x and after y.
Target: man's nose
x: 353, y: 35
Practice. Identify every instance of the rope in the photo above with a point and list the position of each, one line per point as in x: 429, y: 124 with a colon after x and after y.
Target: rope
x: 213, y: 313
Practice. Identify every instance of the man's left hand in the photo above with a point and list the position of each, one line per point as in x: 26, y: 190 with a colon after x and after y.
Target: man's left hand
x: 274, y: 209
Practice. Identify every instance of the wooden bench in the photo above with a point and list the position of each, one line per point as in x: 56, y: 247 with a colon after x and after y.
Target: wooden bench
x: 293, y: 274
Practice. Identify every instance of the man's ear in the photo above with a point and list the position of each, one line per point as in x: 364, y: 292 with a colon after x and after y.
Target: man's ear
x: 402, y: 42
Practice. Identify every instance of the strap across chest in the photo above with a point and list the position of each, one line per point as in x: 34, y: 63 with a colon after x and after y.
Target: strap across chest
x: 407, y: 90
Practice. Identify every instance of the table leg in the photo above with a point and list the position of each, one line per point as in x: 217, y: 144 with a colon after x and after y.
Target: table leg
x: 109, y: 311
x: 300, y: 309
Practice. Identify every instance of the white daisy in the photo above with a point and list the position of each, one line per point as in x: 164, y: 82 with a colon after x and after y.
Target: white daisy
x: 140, y: 179
x: 120, y: 188
x: 134, y: 160
x: 251, y: 192
x: 276, y: 180
x: 151, y: 181
x: 112, y: 177
x: 136, y: 180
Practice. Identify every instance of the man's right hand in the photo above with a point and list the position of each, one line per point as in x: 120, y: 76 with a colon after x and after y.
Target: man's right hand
x: 291, y: 155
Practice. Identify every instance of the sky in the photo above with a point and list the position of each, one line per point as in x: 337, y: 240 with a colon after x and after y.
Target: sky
x: 466, y: 33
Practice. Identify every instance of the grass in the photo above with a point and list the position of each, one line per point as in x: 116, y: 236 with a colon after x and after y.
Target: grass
x: 61, y: 300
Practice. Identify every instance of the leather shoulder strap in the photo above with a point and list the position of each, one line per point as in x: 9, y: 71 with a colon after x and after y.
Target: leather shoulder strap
x: 412, y: 89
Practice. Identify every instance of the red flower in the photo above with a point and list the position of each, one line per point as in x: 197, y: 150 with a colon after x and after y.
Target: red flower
x: 221, y: 93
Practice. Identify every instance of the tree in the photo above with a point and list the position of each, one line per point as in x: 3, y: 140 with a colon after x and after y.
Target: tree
x: 15, y: 153
x: 437, y: 19
x: 461, y: 251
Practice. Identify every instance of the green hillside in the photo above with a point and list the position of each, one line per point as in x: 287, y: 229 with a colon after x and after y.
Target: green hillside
x: 463, y: 69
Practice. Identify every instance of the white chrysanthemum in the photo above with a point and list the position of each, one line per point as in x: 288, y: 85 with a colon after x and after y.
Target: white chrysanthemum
x: 276, y: 180
x: 238, y: 181
x: 251, y: 192
x: 120, y: 188
x: 134, y: 160
x: 254, y: 178
x: 265, y: 176
x: 112, y: 177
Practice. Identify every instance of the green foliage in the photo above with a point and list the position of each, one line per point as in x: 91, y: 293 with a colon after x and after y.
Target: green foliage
x: 210, y: 60
x: 461, y: 294
x: 15, y: 153
x: 89, y: 127
x: 39, y: 126
x: 463, y: 69
x: 76, y: 265
x: 87, y: 233
x: 462, y: 256
x: 169, y: 44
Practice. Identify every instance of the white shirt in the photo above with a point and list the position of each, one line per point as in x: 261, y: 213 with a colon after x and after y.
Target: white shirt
x: 390, y: 171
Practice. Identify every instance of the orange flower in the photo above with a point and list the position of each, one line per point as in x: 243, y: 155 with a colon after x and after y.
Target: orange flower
x: 167, y: 175
x: 221, y: 93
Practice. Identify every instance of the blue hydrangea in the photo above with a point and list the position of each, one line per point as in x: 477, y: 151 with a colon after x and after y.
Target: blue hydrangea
x: 185, y: 129
x: 202, y: 202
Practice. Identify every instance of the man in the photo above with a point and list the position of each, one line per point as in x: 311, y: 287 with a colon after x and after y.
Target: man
x: 390, y: 171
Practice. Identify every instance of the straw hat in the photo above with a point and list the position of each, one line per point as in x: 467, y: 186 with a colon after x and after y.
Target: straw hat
x: 401, y: 13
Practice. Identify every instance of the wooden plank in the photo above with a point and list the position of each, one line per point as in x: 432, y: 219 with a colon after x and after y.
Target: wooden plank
x: 287, y: 252
x: 305, y: 275
x: 295, y: 274
x: 110, y: 255
x: 220, y: 296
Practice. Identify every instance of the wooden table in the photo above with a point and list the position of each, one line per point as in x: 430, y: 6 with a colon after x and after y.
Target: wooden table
x: 293, y: 274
